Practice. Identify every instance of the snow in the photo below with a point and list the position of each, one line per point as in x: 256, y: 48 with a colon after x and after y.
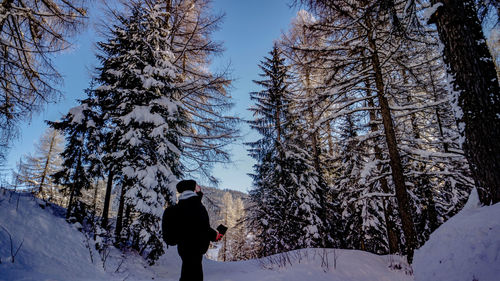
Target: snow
x: 172, y: 106
x: 304, y: 18
x: 455, y: 104
x: 77, y: 113
x: 55, y: 250
x: 473, y: 201
x: 103, y: 88
x: 466, y: 247
x: 142, y: 114
x: 52, y: 249
x: 116, y: 73
x: 430, y: 11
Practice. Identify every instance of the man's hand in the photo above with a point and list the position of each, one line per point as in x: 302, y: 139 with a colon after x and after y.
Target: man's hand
x: 219, y: 237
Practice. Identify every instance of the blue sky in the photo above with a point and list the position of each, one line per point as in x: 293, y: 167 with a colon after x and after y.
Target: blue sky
x: 248, y: 32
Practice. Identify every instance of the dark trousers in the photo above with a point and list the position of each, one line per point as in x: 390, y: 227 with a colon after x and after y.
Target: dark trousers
x: 191, y: 267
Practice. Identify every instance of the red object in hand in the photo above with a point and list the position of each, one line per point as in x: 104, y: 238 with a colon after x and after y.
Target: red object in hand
x: 219, y: 237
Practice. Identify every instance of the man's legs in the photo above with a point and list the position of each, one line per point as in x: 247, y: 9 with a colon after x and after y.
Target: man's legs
x: 191, y: 268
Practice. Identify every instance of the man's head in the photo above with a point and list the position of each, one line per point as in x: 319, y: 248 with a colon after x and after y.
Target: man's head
x: 184, y: 185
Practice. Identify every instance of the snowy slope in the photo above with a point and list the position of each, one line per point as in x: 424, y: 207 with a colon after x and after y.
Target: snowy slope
x: 55, y: 250
x: 466, y: 247
x: 50, y: 244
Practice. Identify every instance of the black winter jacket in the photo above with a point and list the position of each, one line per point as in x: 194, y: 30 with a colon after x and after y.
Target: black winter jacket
x: 194, y: 227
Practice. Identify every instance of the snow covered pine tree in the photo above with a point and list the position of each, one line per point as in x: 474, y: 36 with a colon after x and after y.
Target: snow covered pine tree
x: 158, y: 113
x: 284, y: 202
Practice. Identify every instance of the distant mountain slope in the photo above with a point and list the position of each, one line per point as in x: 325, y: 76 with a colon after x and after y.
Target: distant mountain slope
x: 55, y: 250
x: 212, y: 200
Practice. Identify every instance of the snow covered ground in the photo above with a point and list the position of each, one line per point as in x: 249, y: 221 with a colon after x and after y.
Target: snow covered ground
x: 52, y: 249
x: 55, y: 250
x: 466, y: 247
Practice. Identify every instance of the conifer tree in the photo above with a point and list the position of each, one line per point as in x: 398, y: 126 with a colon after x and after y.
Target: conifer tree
x: 154, y: 112
x: 79, y: 126
x: 148, y: 119
x: 139, y: 103
x: 35, y: 171
x: 285, y: 200
x: 371, y: 72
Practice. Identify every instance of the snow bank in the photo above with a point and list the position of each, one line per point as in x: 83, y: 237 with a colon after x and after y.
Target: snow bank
x: 55, y: 250
x: 48, y: 243
x: 466, y: 247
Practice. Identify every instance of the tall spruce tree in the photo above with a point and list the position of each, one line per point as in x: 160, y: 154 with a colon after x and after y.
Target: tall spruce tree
x: 154, y: 112
x: 285, y: 200
x: 139, y: 103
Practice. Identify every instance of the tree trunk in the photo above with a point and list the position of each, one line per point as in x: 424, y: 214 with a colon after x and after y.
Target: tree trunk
x: 432, y: 213
x: 70, y: 203
x: 330, y: 139
x: 46, y: 167
x: 423, y: 179
x: 127, y: 220
x: 277, y: 117
x: 362, y: 245
x: 314, y: 142
x: 119, y: 216
x: 316, y: 159
x: 395, y: 160
x: 392, y: 236
x: 74, y: 185
x: 6, y: 108
x: 478, y: 113
x: 96, y: 194
x: 314, y: 135
x: 438, y: 115
x: 413, y: 115
x: 107, y: 199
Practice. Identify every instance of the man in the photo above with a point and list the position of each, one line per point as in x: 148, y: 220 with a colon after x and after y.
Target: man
x: 195, y: 232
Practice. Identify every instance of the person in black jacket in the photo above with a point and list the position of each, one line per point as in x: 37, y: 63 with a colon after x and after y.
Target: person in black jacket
x: 194, y: 230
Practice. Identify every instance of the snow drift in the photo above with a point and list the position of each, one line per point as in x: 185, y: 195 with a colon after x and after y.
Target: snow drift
x: 466, y: 247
